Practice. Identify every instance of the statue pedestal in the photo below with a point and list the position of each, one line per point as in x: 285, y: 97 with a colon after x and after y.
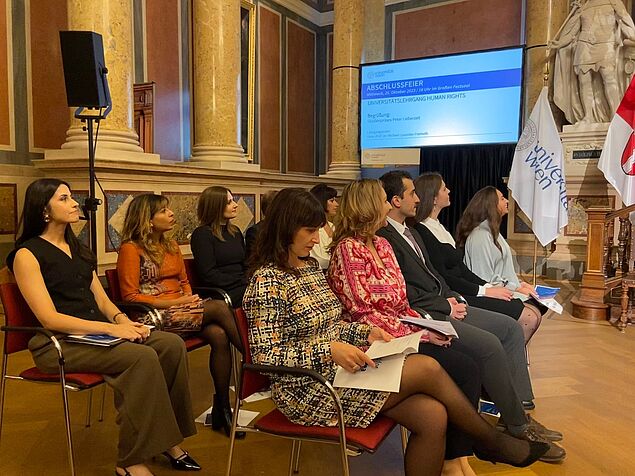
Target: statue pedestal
x: 586, y: 187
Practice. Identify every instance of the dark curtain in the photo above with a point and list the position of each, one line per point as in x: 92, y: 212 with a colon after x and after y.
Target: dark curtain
x: 466, y: 169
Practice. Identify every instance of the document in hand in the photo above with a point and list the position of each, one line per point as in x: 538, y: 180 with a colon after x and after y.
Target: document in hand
x: 546, y: 292
x: 442, y: 327
x: 546, y: 297
x: 389, y: 358
x: 552, y: 304
x: 103, y: 340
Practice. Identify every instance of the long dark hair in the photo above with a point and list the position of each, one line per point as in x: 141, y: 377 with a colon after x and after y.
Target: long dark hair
x: 290, y: 210
x: 323, y: 193
x: 483, y: 206
x: 137, y: 227
x: 211, y: 208
x: 427, y: 187
x: 32, y: 223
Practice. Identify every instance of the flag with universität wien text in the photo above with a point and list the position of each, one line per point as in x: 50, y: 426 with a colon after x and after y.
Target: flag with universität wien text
x: 537, y: 180
x: 617, y: 161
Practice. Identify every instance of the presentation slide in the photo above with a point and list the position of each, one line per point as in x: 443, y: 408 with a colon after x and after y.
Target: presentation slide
x: 471, y: 98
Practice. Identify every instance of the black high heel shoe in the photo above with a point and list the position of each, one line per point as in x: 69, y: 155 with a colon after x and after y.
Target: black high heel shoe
x: 536, y: 450
x: 221, y: 417
x: 183, y: 463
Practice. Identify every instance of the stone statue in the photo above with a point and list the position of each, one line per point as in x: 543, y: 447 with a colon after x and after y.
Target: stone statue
x: 595, y: 59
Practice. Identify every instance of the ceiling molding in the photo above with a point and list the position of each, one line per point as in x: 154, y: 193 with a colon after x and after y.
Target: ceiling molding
x: 307, y: 12
x: 314, y: 16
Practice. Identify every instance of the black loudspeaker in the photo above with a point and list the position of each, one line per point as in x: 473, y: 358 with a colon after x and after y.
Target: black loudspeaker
x: 84, y: 69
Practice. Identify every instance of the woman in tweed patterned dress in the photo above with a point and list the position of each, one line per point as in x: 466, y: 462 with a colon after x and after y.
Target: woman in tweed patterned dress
x: 295, y: 320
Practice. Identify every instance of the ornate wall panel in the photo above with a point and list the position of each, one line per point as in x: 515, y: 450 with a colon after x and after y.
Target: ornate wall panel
x: 269, y: 84
x: 163, y: 59
x: 301, y: 122
x: 453, y: 27
x: 9, y: 201
x: 7, y: 140
x: 49, y: 116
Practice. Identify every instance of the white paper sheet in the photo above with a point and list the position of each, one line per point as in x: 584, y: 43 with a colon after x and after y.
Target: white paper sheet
x: 255, y: 397
x: 552, y: 304
x: 245, y: 417
x: 444, y: 327
x: 385, y: 377
x: 407, y: 344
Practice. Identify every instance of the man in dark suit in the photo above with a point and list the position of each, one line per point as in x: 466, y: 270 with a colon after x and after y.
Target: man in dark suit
x: 494, y: 340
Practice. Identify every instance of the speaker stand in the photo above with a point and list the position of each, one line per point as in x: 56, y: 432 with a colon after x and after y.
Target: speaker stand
x: 92, y: 203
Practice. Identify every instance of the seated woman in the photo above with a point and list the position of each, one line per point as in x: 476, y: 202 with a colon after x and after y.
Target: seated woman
x: 56, y: 275
x: 295, y: 320
x: 435, y: 196
x: 218, y: 246
x: 487, y: 254
x: 252, y: 232
x: 151, y: 270
x: 327, y: 196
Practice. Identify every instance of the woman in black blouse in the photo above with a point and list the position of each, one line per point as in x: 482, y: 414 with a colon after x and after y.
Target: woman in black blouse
x: 148, y: 371
x: 218, y: 245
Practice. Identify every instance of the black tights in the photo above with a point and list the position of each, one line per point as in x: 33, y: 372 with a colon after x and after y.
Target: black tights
x: 218, y: 330
x: 529, y: 320
x: 427, y: 400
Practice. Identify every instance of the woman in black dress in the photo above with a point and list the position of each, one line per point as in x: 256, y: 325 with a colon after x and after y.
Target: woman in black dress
x: 218, y: 245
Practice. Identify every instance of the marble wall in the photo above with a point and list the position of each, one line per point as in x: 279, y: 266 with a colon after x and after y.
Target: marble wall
x: 418, y: 28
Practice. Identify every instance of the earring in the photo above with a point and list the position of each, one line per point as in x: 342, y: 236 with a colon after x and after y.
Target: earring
x: 47, y: 218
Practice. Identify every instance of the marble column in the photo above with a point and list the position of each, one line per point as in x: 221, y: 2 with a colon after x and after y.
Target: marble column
x: 216, y: 78
x: 374, y: 31
x: 542, y: 21
x: 117, y: 137
x: 348, y: 38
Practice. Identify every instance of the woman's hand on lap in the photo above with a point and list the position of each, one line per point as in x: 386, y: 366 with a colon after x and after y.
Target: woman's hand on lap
x: 377, y: 333
x: 349, y: 357
x: 439, y: 339
x: 132, y: 331
x: 527, y: 289
x: 498, y: 292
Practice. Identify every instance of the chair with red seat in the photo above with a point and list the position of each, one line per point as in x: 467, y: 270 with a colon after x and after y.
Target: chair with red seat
x: 21, y: 325
x: 350, y: 440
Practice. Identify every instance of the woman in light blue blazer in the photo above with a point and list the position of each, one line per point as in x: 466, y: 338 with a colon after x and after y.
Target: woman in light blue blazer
x: 487, y: 254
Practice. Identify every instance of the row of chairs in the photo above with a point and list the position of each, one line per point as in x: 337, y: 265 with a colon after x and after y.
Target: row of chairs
x: 21, y: 325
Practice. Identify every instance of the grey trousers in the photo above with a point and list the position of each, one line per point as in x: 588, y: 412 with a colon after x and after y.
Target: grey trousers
x: 497, y: 344
x: 150, y: 383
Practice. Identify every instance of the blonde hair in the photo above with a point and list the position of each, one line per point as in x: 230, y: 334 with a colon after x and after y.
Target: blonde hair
x: 211, y: 210
x: 138, y: 229
x: 361, y: 210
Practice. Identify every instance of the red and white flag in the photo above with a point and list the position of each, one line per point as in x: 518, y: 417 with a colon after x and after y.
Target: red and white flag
x: 617, y: 161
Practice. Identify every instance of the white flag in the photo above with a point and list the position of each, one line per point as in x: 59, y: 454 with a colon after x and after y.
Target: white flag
x: 617, y: 161
x: 537, y: 178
